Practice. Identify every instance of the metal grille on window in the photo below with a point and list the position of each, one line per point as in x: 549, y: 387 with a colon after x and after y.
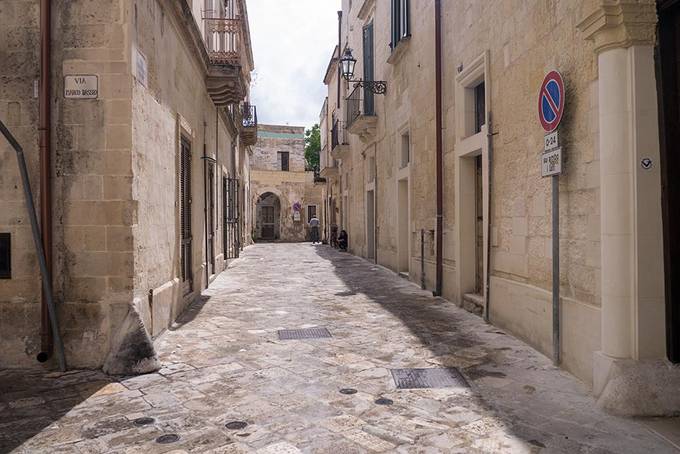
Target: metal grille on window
x: 231, y: 212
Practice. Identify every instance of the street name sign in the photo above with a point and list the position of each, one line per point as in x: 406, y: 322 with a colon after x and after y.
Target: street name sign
x: 551, y: 163
x: 81, y: 87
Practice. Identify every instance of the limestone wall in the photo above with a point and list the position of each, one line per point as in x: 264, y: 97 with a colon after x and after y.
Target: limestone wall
x: 271, y: 139
x: 289, y: 187
x: 115, y: 158
x: 93, y: 211
x: 520, y: 46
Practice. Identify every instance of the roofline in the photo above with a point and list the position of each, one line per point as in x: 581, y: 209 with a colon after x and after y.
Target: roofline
x: 332, y: 63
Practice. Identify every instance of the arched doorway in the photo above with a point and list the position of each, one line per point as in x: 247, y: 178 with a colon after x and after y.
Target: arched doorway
x: 268, y: 216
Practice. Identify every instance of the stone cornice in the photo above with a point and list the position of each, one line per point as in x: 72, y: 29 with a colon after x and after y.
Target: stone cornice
x: 366, y: 9
x: 620, y: 23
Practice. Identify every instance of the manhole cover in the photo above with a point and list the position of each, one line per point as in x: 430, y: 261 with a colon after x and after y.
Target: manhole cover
x: 348, y: 391
x: 306, y: 333
x: 236, y: 425
x: 144, y: 421
x: 384, y: 401
x: 428, y: 378
x: 167, y: 439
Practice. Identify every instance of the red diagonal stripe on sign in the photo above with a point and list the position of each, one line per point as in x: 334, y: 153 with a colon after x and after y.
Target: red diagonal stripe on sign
x: 553, y: 106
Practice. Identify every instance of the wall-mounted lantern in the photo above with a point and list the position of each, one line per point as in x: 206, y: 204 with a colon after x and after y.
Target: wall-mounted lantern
x: 379, y: 87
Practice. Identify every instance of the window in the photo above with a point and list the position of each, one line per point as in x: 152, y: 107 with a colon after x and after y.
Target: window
x: 284, y: 161
x: 401, y: 21
x: 480, y: 107
x: 405, y: 150
x: 5, y: 256
x: 311, y: 211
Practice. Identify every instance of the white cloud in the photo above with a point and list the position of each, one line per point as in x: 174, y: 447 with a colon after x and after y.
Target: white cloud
x: 292, y: 44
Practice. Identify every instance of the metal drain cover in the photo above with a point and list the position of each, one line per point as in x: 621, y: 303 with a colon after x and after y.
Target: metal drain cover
x: 448, y: 377
x: 306, y: 333
x: 167, y: 439
x: 143, y: 421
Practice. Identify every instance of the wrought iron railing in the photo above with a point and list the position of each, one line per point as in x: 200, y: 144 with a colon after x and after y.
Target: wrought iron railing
x: 222, y: 39
x: 359, y: 102
x: 249, y: 116
x: 338, y: 135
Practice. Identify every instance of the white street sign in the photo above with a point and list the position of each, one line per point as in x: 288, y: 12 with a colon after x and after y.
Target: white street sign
x: 81, y: 87
x: 551, y: 162
x: 551, y: 141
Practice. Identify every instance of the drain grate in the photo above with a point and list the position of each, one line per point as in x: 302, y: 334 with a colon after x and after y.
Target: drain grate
x: 306, y: 333
x: 429, y: 378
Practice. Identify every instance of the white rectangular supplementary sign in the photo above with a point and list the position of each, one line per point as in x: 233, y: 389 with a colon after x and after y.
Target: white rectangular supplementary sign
x: 551, y: 141
x: 551, y: 163
x: 81, y: 87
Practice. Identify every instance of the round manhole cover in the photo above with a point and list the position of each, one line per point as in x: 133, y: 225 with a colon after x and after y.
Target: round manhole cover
x: 144, y: 421
x: 236, y: 425
x: 348, y: 391
x: 384, y: 401
x: 167, y: 439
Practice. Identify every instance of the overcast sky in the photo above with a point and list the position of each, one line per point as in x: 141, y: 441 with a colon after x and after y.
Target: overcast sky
x: 292, y: 44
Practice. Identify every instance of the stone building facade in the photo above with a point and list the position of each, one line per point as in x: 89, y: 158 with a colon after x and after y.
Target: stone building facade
x: 285, y: 194
x: 149, y: 175
x: 491, y: 249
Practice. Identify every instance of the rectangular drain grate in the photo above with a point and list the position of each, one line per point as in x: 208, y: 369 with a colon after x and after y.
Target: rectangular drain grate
x: 305, y: 333
x: 448, y: 377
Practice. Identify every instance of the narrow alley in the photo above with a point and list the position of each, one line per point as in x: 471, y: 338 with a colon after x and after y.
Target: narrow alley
x: 229, y: 383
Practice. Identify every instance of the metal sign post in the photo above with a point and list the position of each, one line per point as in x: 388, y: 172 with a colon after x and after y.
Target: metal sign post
x: 551, y: 101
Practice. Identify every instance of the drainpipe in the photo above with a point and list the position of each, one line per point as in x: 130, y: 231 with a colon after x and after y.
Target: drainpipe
x: 487, y: 283
x: 439, y: 151
x: 44, y: 128
x: 339, y: 52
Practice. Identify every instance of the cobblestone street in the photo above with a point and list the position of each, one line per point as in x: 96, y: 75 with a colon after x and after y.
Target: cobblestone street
x: 230, y: 385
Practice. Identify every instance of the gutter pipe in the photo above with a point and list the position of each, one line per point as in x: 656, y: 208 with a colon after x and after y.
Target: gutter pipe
x: 439, y: 147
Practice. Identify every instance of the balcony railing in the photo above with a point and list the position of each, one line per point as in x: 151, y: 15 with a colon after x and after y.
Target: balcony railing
x: 249, y: 116
x: 222, y: 39
x: 359, y: 102
x: 338, y: 134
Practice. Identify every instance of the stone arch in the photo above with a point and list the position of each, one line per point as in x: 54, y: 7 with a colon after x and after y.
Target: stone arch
x: 268, y: 216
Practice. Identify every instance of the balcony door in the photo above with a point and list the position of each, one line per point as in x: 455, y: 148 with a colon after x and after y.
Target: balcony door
x: 369, y: 74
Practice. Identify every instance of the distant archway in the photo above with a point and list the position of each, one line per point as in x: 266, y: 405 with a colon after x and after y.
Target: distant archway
x: 268, y: 217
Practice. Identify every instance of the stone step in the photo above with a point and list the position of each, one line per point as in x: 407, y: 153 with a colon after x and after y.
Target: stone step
x: 473, y: 302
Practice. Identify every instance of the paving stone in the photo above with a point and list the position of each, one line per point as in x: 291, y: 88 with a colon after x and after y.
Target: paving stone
x: 224, y: 362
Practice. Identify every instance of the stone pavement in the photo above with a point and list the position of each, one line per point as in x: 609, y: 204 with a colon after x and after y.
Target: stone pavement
x: 225, y: 367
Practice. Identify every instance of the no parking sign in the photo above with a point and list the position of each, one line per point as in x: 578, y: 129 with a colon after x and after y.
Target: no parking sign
x: 551, y: 101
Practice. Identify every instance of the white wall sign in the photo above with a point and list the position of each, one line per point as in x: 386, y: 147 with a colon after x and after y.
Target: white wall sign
x: 551, y: 141
x: 81, y: 87
x: 551, y: 162
x: 140, y: 68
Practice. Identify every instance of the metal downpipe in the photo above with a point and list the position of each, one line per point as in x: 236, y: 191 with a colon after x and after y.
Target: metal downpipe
x: 439, y: 151
x: 40, y: 252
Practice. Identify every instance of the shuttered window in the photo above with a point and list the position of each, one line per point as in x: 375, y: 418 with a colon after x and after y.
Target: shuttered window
x: 401, y: 21
x: 185, y: 210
